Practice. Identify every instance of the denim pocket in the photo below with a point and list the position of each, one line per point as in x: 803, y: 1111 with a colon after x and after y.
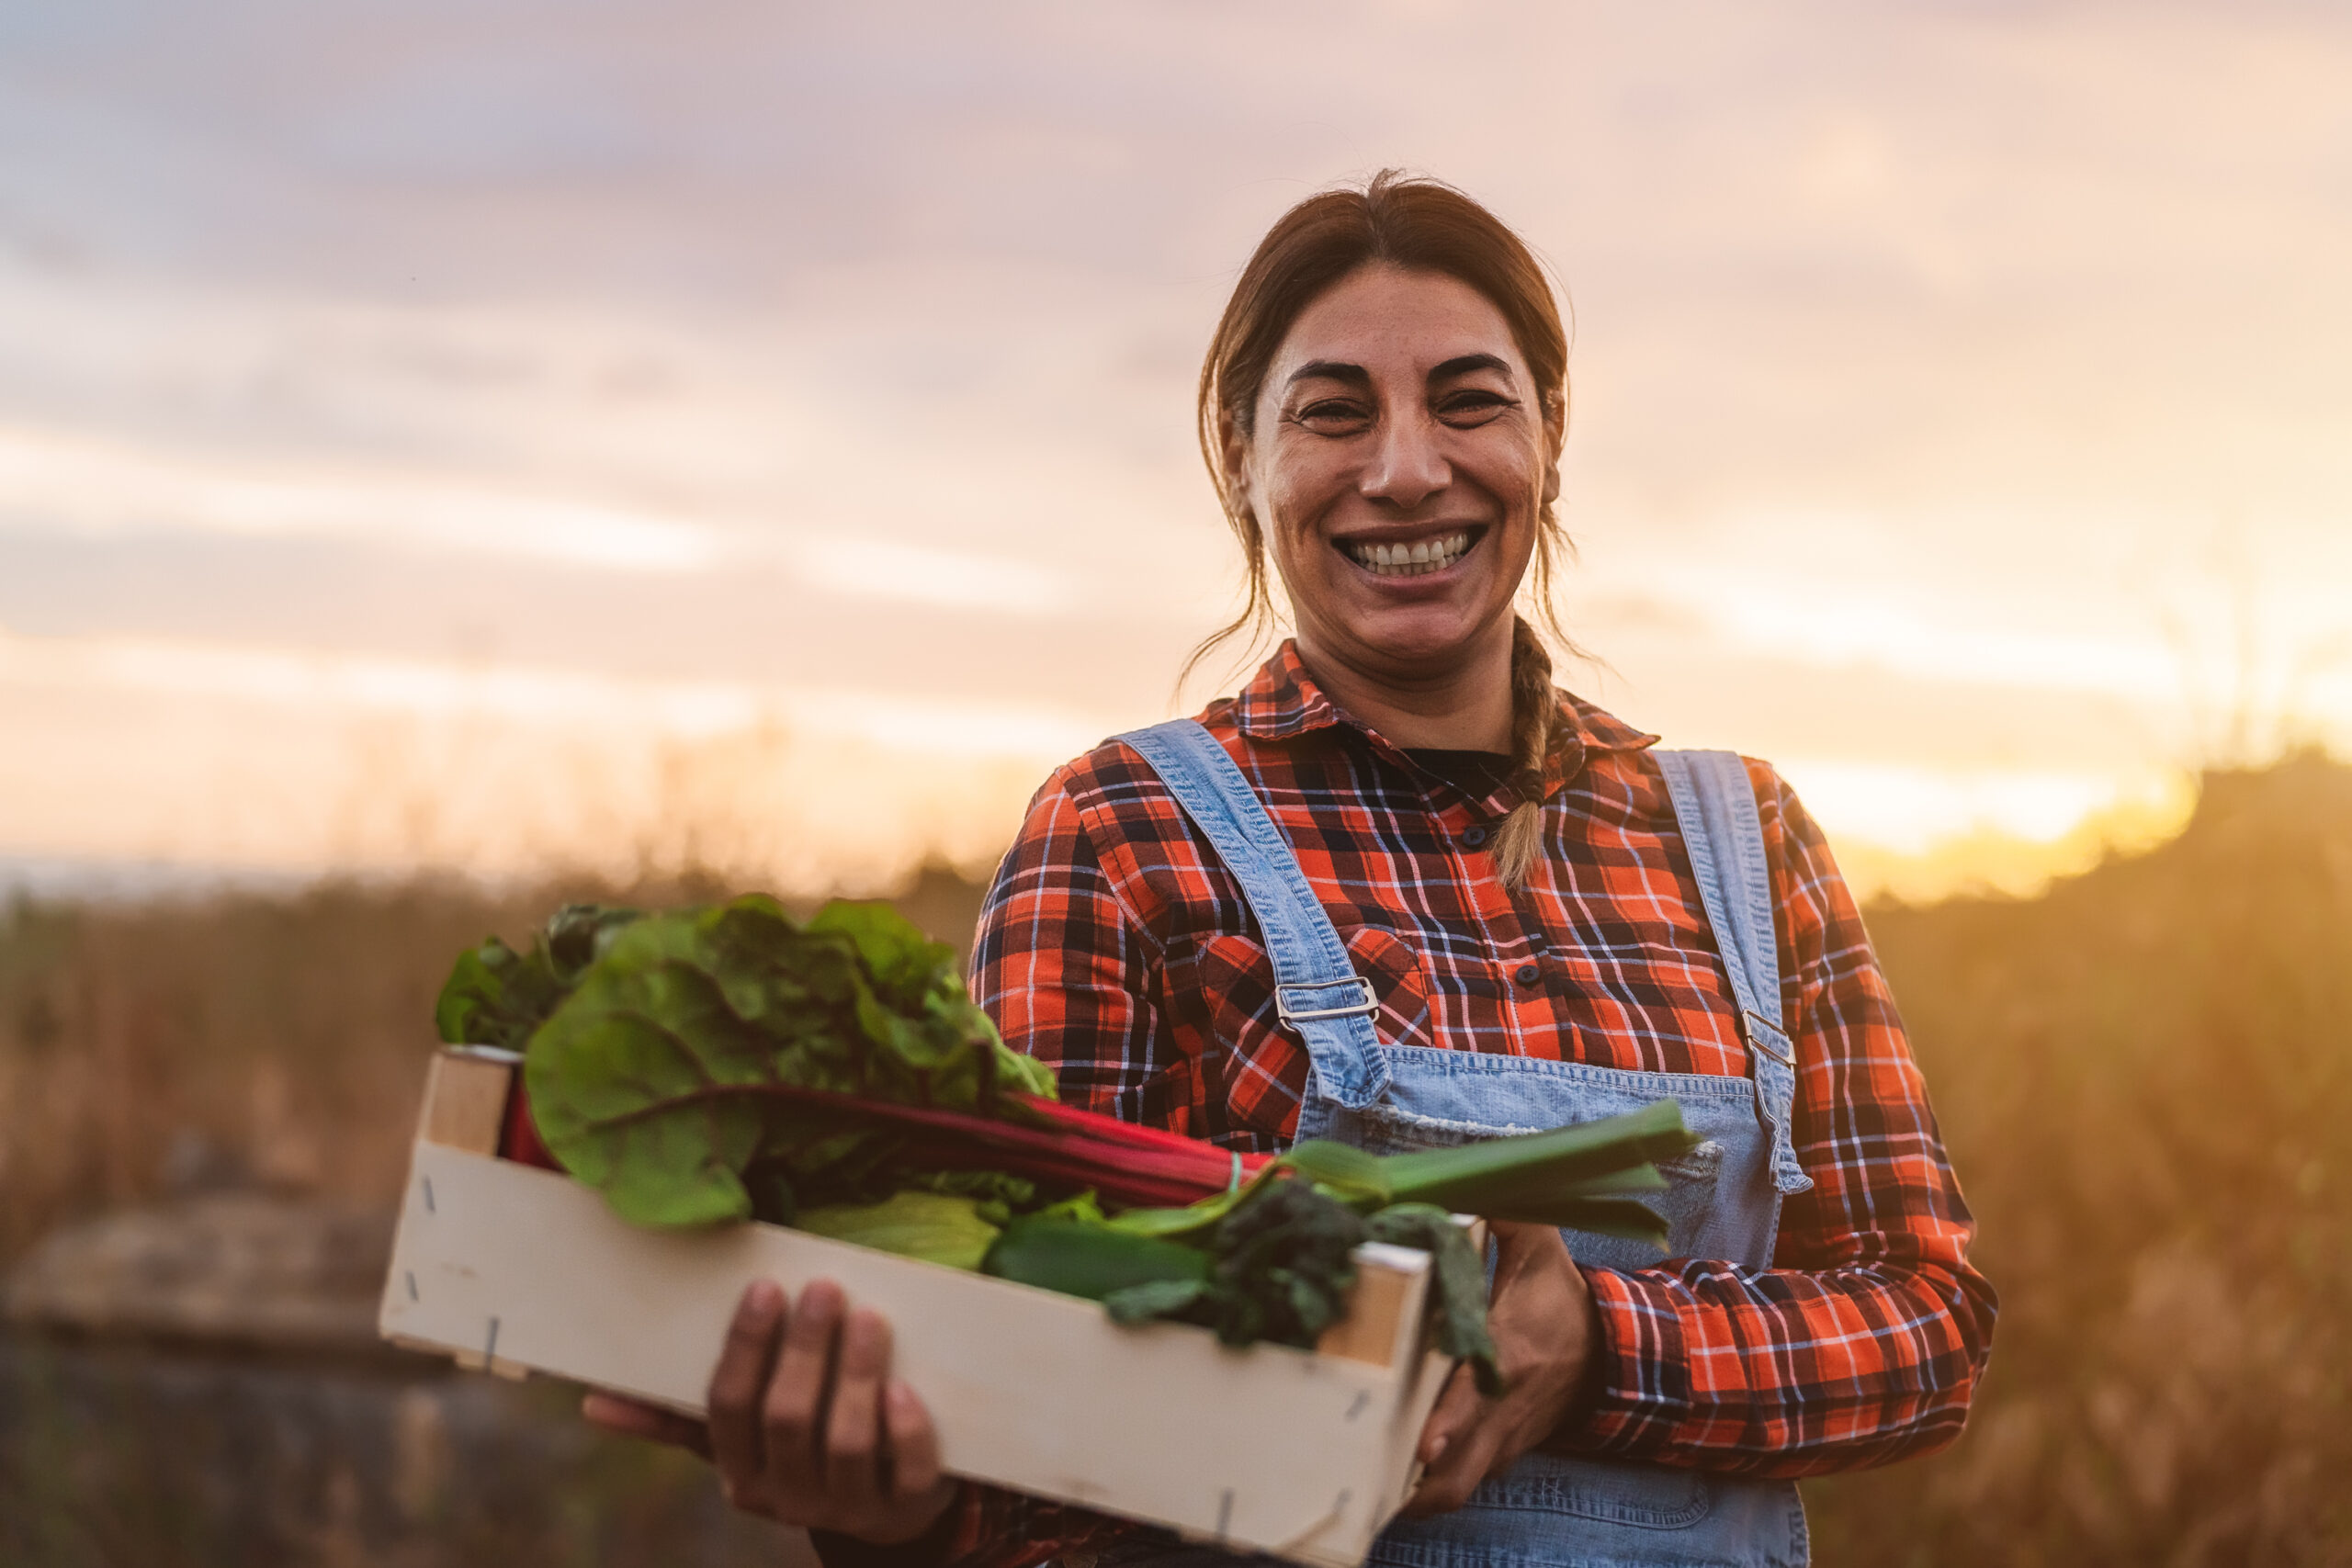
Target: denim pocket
x: 1693, y: 1180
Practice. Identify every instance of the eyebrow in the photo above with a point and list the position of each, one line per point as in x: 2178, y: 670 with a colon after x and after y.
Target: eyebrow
x: 1462, y: 364
x: 1356, y: 376
x: 1330, y: 370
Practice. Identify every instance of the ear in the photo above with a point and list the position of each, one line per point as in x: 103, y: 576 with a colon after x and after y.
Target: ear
x: 1235, y: 449
x: 1555, y: 435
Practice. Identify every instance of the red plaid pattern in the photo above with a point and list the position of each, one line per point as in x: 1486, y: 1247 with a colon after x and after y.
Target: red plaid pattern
x: 1116, y: 946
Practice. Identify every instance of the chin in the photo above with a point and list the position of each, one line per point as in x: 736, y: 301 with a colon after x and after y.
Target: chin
x: 1418, y: 642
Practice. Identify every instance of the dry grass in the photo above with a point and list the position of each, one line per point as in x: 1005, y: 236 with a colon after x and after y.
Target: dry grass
x: 284, y: 1037
x: 2146, y: 1079
x: 2144, y: 1076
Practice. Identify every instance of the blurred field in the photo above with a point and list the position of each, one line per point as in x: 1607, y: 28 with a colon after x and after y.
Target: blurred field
x: 2144, y: 1076
x: 2146, y: 1080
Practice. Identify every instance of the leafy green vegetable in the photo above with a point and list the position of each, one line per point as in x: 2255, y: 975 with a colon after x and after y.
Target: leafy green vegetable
x: 1081, y: 1256
x: 1283, y: 1265
x: 655, y: 1080
x: 726, y: 1062
x: 1582, y: 1178
x: 1282, y: 1243
x: 997, y: 1192
x: 496, y: 995
x: 938, y: 1227
x: 1460, y: 1275
x: 1549, y: 1177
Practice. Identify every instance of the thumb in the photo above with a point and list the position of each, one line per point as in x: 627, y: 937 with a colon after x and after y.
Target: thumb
x: 1449, y: 1419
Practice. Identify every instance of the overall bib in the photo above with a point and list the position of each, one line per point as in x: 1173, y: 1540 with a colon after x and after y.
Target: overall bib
x: 1722, y: 1201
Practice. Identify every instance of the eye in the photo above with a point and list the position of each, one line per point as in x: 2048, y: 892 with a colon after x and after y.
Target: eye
x: 1473, y: 406
x: 1333, y: 416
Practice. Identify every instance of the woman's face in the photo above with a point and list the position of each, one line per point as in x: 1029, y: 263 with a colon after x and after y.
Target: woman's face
x: 1400, y: 459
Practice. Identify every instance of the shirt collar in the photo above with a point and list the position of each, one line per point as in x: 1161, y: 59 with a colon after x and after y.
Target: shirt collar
x: 1282, y: 701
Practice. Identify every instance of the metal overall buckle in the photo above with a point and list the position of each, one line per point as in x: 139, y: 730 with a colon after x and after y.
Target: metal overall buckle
x: 1365, y: 1004
x: 1760, y: 1034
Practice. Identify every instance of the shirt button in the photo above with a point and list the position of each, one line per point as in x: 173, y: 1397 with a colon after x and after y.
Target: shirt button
x: 1474, y: 837
x: 1529, y: 973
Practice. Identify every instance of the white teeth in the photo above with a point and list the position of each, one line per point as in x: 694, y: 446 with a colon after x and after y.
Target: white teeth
x: 1416, y: 560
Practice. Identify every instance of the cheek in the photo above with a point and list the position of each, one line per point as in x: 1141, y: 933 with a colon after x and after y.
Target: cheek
x: 1294, y: 497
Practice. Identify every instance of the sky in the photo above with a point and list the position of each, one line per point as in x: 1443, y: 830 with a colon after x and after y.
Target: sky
x: 506, y: 435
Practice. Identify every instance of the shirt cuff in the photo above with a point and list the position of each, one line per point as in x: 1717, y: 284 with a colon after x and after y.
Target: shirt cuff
x: 1641, y: 1376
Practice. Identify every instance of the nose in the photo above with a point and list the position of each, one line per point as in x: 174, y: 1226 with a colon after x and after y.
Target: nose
x: 1407, y: 468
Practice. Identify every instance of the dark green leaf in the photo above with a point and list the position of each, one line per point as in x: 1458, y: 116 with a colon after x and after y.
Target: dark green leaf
x: 496, y: 996
x: 1459, y: 1274
x: 1615, y: 1216
x: 1538, y: 1177
x: 1081, y: 1257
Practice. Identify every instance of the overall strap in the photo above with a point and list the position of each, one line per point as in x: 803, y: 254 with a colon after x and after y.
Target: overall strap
x: 1715, y: 806
x: 1317, y: 989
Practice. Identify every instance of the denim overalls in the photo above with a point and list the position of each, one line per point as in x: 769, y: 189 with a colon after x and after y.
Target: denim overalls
x: 1723, y: 1199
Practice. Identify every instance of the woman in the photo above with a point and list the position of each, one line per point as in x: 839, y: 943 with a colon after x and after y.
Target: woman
x: 1530, y: 919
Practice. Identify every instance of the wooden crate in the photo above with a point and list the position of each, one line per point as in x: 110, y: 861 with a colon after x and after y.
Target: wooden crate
x: 1305, y: 1454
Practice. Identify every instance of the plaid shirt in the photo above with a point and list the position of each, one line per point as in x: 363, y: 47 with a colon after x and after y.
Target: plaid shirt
x: 1117, y: 947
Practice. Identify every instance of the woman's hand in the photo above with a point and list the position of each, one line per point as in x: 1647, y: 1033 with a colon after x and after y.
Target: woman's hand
x: 1547, y: 1330
x: 805, y: 1426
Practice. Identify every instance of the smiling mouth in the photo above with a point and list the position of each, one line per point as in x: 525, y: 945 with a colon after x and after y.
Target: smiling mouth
x: 1418, y: 557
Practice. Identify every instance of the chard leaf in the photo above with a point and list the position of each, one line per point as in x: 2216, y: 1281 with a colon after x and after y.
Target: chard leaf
x: 1084, y: 1258
x: 576, y: 936
x: 1191, y: 1221
x: 655, y: 1081
x: 901, y: 959
x: 1154, y: 1298
x: 629, y: 1086
x: 490, y: 996
x: 938, y: 1227
x: 999, y: 1196
x: 496, y: 995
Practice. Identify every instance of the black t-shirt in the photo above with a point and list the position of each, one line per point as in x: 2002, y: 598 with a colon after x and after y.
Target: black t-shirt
x: 1476, y: 774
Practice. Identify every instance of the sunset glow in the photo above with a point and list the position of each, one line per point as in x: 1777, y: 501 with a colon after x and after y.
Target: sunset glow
x: 474, y: 437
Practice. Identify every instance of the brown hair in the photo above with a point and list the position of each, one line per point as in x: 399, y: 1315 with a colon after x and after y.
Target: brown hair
x: 1424, y: 225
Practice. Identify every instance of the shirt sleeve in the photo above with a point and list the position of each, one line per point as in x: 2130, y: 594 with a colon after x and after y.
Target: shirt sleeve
x: 1864, y: 1342
x: 1069, y: 974
x: 1062, y: 968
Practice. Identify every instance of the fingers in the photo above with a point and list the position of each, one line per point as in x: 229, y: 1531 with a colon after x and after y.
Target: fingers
x: 1461, y: 1444
x: 1447, y: 1484
x: 1454, y: 1449
x: 794, y: 1413
x: 914, y: 1445
x: 737, y: 1382
x: 631, y: 1418
x: 853, y: 1426
x: 1457, y: 1409
x: 805, y: 1426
